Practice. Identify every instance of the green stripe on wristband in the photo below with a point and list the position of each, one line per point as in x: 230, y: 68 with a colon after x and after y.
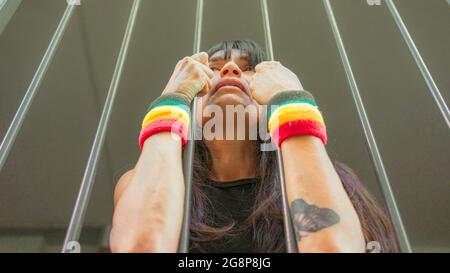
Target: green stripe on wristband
x: 170, y: 102
x: 176, y: 99
x: 285, y: 96
x: 275, y: 107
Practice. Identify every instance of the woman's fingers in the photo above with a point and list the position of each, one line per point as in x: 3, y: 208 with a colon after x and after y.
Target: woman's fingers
x: 198, y: 83
x: 208, y: 71
x: 201, y: 57
x: 192, y: 62
x: 191, y: 75
x: 265, y: 65
x: 202, y: 60
x: 207, y: 83
x: 199, y: 63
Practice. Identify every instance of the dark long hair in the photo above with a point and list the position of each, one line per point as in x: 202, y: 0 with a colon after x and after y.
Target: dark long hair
x: 265, y: 222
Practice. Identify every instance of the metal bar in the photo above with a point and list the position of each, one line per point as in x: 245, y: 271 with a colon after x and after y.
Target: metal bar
x: 76, y: 222
x: 188, y: 153
x: 267, y: 33
x: 419, y: 62
x: 369, y: 137
x: 291, y: 243
x: 7, y: 10
x: 22, y: 111
x: 198, y: 26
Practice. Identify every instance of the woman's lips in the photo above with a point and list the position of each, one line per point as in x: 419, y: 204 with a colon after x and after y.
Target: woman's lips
x: 230, y: 82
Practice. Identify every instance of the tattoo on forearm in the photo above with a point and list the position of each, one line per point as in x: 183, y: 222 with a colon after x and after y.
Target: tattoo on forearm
x: 308, y: 218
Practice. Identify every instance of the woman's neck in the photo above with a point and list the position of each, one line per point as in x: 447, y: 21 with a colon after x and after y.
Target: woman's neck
x: 232, y: 159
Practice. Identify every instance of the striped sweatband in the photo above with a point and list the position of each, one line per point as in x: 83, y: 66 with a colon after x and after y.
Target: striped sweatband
x: 293, y: 113
x: 168, y: 113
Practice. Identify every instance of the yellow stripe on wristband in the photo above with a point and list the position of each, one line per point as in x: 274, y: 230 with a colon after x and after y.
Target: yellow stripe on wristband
x: 299, y: 106
x: 166, y: 112
x: 291, y: 112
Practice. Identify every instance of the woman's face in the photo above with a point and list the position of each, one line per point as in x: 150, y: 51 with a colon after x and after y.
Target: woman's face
x: 230, y: 93
x: 231, y: 81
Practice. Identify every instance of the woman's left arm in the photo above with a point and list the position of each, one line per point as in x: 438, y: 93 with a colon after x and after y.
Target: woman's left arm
x: 323, y: 216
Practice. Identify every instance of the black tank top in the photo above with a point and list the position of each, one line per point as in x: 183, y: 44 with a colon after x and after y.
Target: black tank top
x: 231, y: 200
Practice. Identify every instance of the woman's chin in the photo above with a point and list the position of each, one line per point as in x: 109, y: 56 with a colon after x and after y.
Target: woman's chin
x: 230, y: 98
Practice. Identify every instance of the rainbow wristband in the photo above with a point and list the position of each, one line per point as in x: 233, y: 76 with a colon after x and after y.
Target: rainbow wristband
x: 168, y: 113
x: 293, y: 113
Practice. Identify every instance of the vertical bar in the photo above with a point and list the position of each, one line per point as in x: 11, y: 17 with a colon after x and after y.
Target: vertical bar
x: 291, y: 243
x: 419, y: 62
x: 188, y: 153
x: 22, y: 111
x: 267, y: 33
x: 369, y: 137
x: 198, y: 27
x: 77, y: 219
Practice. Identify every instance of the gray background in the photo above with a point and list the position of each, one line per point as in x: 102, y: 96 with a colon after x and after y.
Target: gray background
x: 42, y: 175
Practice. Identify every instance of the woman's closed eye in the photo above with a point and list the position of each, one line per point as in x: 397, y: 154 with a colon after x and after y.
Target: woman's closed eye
x: 245, y: 68
x: 249, y: 68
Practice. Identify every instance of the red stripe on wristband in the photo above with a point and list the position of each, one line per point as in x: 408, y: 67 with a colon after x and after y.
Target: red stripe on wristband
x: 299, y: 127
x: 164, y: 125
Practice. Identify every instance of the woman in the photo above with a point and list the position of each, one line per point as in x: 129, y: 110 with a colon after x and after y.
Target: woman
x: 236, y: 196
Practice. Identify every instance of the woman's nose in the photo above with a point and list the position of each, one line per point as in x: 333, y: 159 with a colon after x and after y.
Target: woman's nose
x: 230, y: 69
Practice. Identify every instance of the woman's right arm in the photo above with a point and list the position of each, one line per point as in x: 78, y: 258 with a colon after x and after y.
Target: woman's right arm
x: 148, y: 200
